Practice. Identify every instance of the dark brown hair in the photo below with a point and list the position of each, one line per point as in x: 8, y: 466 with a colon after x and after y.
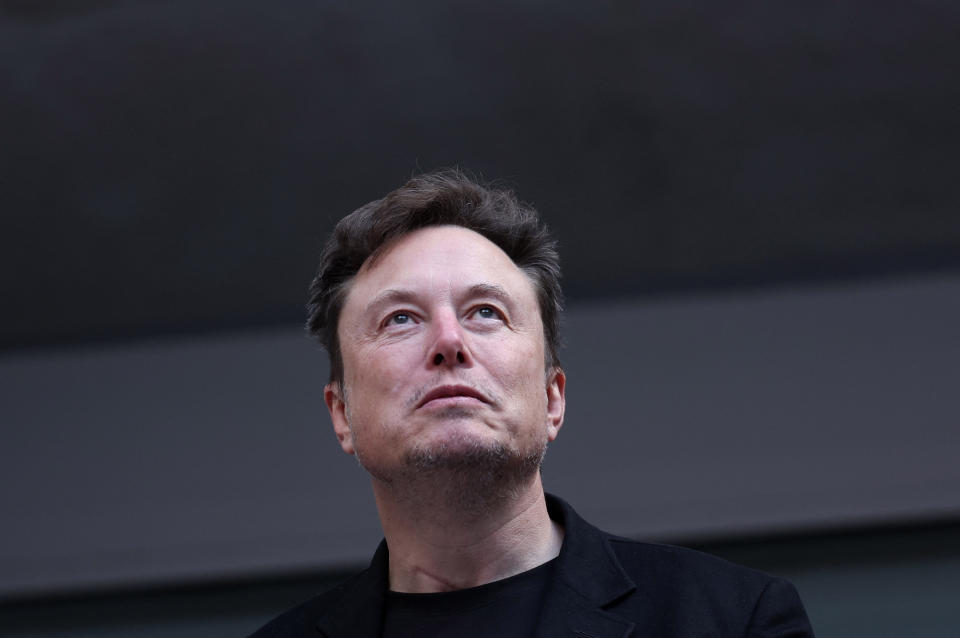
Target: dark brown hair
x: 445, y: 197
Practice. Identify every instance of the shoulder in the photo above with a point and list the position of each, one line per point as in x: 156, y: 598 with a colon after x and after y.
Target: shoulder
x: 653, y: 564
x: 719, y: 596
x: 672, y: 590
x: 667, y: 563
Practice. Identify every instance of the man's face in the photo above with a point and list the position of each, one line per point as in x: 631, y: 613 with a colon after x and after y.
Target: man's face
x: 443, y: 353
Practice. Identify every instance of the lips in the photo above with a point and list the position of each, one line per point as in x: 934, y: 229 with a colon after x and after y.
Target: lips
x: 451, y: 391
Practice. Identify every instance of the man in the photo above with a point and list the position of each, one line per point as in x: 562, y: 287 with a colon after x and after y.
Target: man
x: 439, y: 306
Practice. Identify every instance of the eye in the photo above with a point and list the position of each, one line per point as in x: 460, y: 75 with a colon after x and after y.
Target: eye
x: 488, y: 312
x: 399, y: 318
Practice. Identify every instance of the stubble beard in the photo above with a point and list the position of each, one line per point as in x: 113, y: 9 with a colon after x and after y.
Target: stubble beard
x: 464, y: 474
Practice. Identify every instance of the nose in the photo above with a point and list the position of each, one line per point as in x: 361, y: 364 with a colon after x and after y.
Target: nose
x: 449, y: 347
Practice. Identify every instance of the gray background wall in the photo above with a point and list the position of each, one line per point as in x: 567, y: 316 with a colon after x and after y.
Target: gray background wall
x: 185, y: 459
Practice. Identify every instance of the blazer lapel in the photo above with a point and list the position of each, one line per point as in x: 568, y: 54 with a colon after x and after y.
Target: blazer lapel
x: 588, y: 578
x: 566, y: 614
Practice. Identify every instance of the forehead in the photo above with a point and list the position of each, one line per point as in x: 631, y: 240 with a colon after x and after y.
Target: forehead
x: 439, y: 259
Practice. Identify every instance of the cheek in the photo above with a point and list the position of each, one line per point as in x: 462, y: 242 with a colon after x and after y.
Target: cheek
x: 521, y: 371
x: 381, y: 372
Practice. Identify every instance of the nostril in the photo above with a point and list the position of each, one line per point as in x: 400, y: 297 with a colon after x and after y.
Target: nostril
x: 460, y: 357
x: 438, y: 359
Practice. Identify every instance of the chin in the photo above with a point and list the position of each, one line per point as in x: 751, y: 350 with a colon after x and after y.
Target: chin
x: 465, y: 451
x: 458, y: 451
x: 458, y: 439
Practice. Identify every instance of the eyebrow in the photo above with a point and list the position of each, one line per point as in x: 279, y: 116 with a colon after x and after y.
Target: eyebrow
x: 397, y: 295
x: 488, y: 290
x: 388, y: 296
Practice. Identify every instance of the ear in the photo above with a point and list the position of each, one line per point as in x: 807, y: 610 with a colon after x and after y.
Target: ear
x: 556, y: 401
x: 338, y: 414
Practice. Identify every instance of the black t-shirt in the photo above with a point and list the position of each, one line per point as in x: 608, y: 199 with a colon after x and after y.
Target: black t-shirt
x: 507, y: 608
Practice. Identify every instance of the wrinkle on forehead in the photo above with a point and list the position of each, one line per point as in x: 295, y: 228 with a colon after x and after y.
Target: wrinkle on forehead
x: 451, y: 262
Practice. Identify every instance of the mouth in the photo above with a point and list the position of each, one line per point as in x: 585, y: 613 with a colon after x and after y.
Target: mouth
x: 452, y: 394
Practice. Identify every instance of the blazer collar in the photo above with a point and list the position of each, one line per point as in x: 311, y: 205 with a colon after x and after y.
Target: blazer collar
x: 588, y: 578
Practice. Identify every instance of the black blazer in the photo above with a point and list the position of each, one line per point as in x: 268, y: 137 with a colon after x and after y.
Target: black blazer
x: 605, y: 587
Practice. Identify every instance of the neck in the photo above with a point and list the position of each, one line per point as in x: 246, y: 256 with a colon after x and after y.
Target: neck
x: 443, y: 541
